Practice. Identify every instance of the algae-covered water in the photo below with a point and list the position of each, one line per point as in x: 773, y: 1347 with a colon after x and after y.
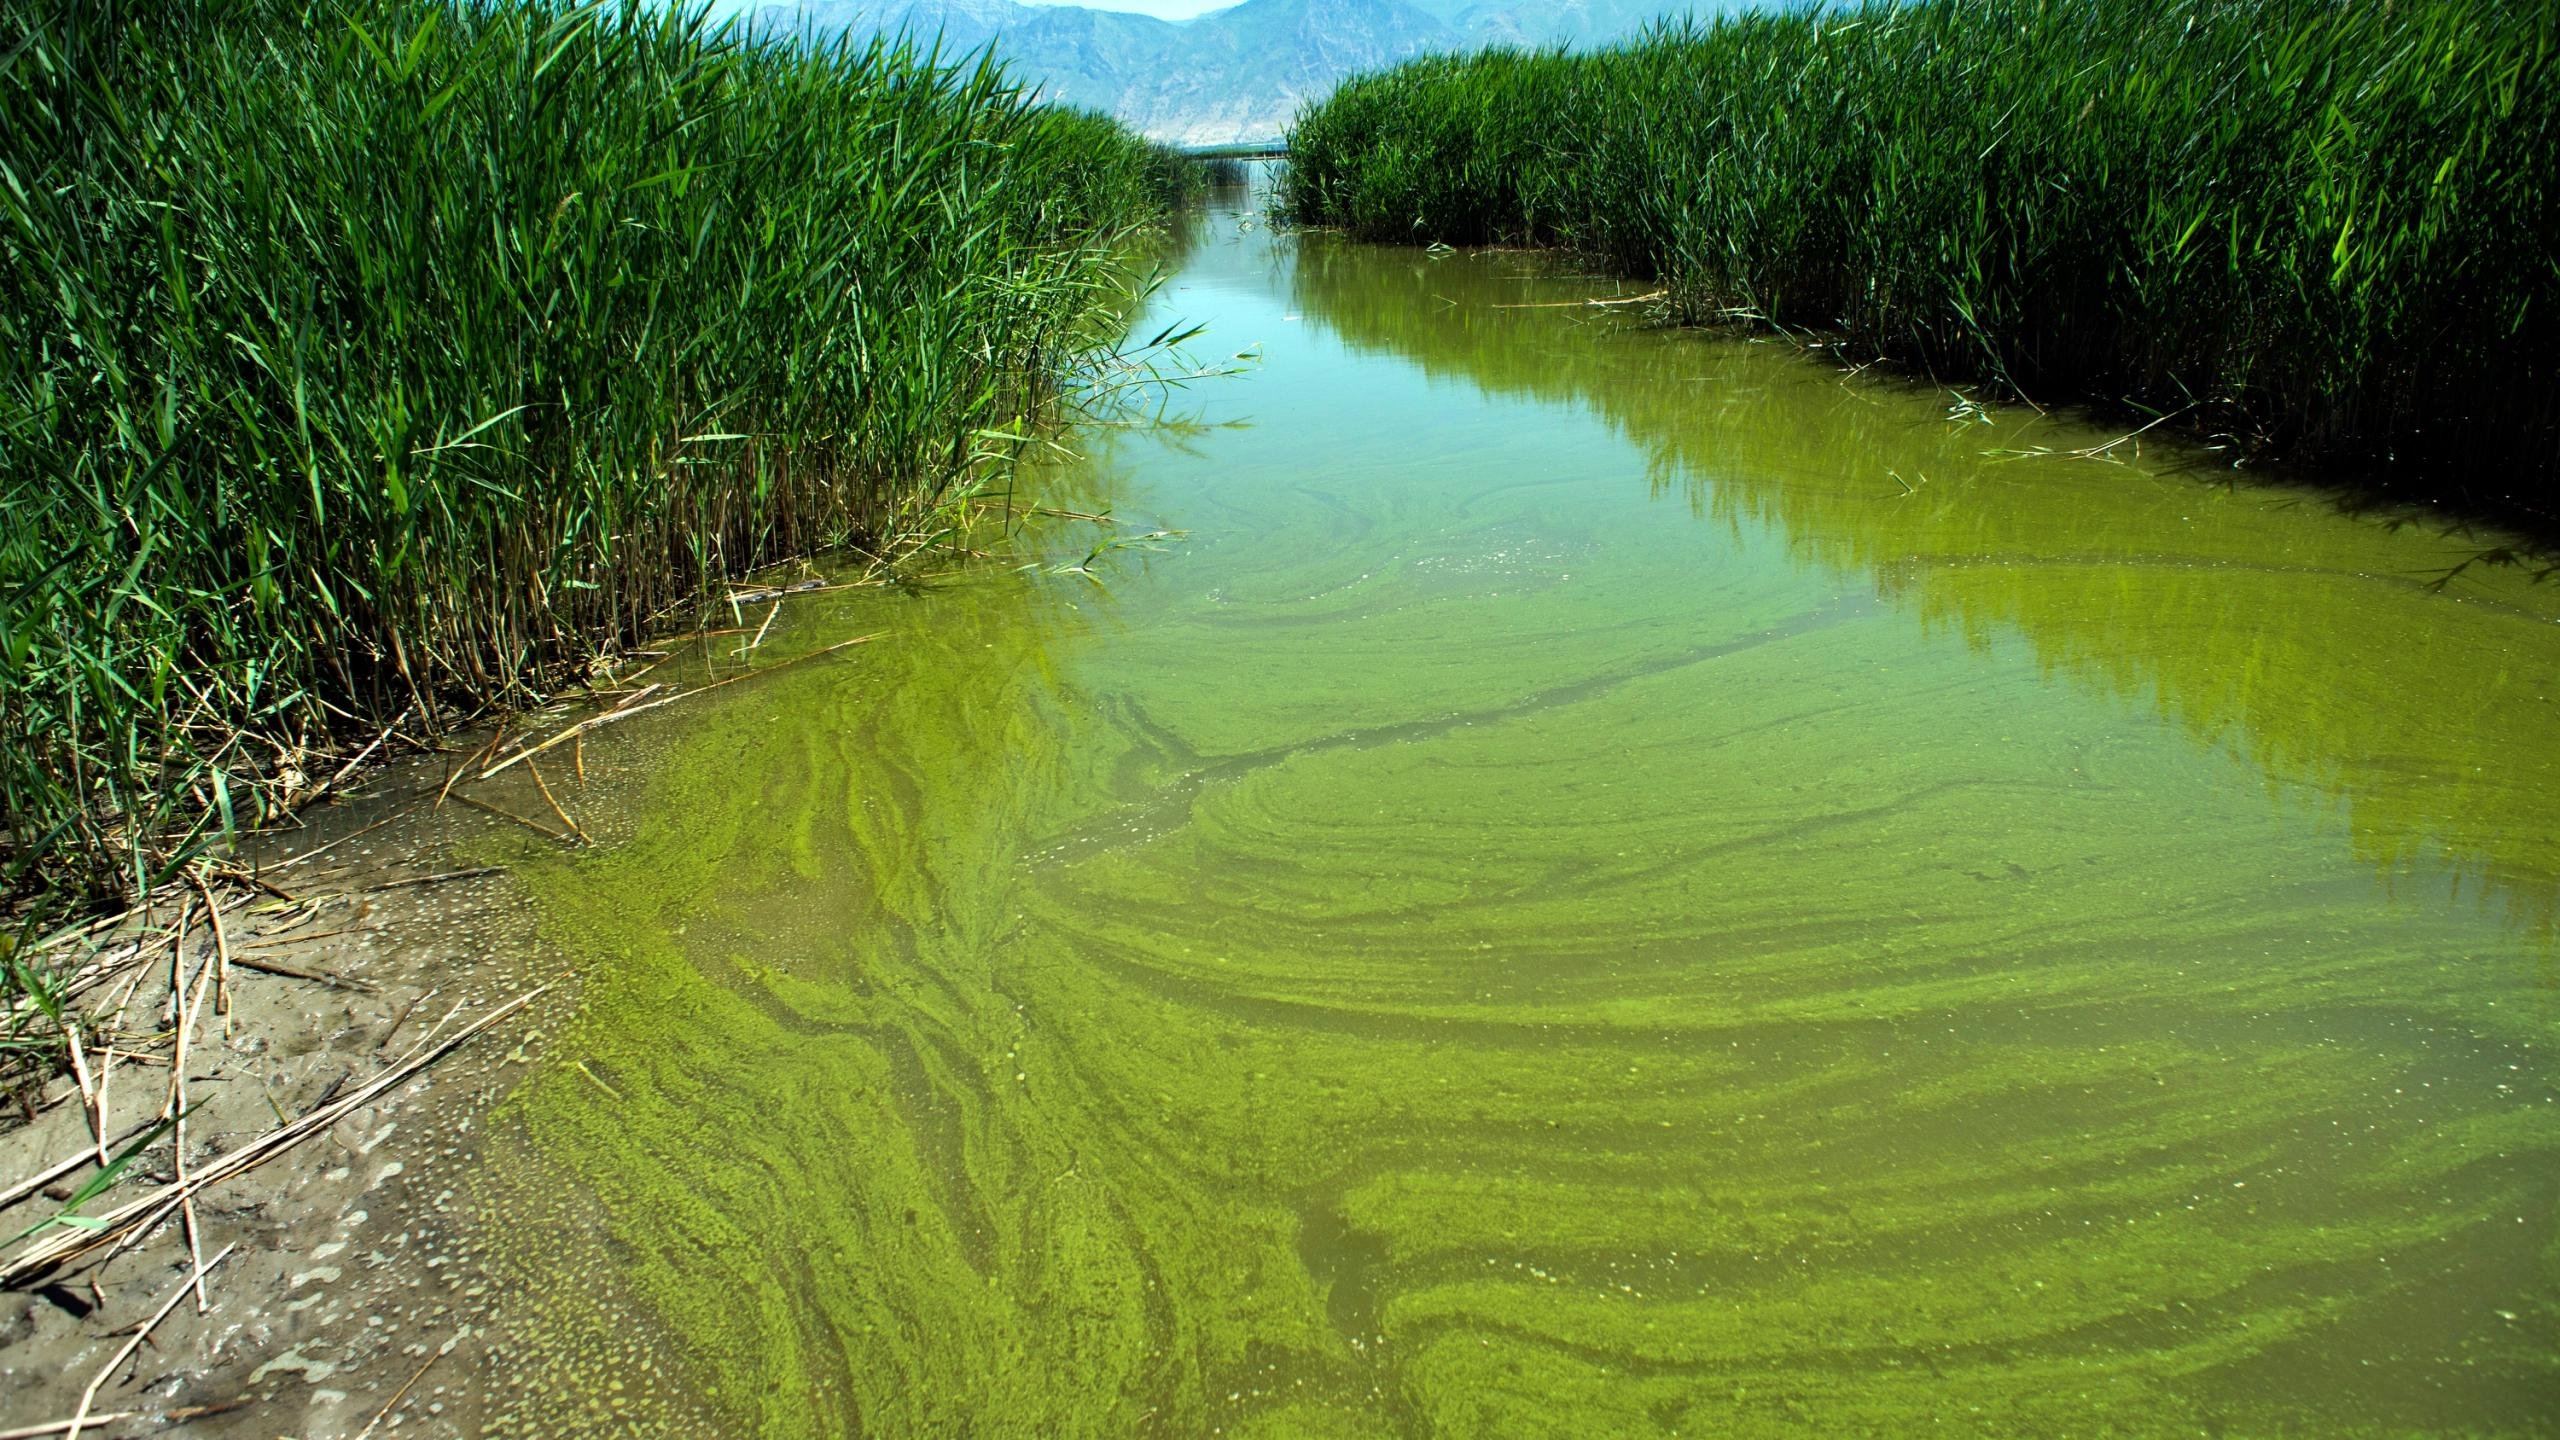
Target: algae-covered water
x: 1614, y: 883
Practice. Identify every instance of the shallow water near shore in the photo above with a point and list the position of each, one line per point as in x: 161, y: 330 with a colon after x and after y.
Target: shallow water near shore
x: 1613, y: 882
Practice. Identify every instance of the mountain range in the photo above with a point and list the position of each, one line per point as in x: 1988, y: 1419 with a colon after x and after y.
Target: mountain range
x: 1231, y: 75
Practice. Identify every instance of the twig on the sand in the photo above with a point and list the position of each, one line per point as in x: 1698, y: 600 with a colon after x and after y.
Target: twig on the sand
x: 89, y: 1397
x: 221, y: 952
x: 139, y: 1216
x: 176, y: 1114
x: 56, y: 1427
x: 536, y: 826
x: 474, y: 873
x: 481, y: 758
x: 767, y: 625
x: 361, y: 756
x: 538, y: 783
x: 402, y: 1393
x: 36, y: 1182
x: 92, y: 1103
x: 403, y: 1017
x: 320, y: 850
x: 631, y: 705
x: 320, y: 977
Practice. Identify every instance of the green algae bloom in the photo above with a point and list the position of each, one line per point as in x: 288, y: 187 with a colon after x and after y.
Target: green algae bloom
x: 1618, y: 883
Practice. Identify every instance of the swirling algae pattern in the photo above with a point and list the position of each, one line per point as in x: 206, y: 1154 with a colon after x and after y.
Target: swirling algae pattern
x: 1460, y: 946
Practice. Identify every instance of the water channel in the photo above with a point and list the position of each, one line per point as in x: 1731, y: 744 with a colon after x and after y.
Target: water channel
x: 1609, y: 882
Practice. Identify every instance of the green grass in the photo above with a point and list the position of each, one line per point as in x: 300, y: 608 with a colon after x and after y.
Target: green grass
x: 398, y: 356
x: 2322, y: 229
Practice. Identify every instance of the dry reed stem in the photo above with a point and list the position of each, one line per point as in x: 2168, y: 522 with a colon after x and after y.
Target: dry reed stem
x: 361, y: 756
x: 89, y: 1397
x: 535, y: 826
x: 320, y: 850
x: 92, y: 1099
x: 482, y: 758
x: 38, y: 1181
x: 221, y: 954
x: 56, y: 1427
x: 176, y: 1114
x: 630, y: 706
x: 761, y: 629
x: 474, y: 873
x: 323, y: 977
x: 402, y: 1393
x: 574, y: 827
x: 1583, y: 304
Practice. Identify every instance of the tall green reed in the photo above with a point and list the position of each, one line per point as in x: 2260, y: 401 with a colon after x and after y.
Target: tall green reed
x: 373, y: 357
x: 2320, y: 226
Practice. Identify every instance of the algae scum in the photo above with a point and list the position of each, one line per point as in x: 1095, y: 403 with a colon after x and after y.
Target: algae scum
x: 1616, y: 883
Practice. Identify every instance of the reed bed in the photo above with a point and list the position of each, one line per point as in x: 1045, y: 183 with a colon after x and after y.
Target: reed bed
x: 367, y: 361
x: 2320, y: 228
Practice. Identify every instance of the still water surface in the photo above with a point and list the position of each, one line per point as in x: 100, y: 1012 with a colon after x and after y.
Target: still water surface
x: 1616, y: 883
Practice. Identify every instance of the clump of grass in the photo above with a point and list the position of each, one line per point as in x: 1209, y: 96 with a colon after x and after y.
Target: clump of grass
x: 2322, y: 226
x: 371, y: 358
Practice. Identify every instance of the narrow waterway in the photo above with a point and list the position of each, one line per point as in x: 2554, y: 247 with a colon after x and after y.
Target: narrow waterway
x: 1608, y: 883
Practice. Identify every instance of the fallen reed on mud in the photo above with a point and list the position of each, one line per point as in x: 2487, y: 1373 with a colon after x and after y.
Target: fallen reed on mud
x: 2321, y: 227
x: 364, y: 360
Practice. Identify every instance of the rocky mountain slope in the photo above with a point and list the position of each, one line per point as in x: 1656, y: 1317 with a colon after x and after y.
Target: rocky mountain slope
x: 1233, y: 74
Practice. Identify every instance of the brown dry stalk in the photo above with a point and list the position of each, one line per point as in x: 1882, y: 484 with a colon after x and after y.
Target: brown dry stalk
x: 323, y: 977
x: 536, y: 772
x: 92, y: 1099
x: 402, y: 1393
x: 176, y: 1113
x: 56, y: 1427
x: 760, y: 630
x: 474, y: 873
x: 221, y: 952
x: 536, y: 826
x: 80, y: 1418
x: 629, y: 707
x: 482, y: 758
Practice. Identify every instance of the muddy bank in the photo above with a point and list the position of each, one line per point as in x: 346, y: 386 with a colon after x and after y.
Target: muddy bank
x: 350, y: 1285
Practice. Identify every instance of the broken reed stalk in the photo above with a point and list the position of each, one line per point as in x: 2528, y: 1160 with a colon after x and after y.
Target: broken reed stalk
x: 474, y: 873
x: 89, y: 1398
x: 176, y: 1114
x: 761, y: 629
x: 632, y: 705
x: 481, y: 758
x: 629, y: 707
x: 574, y: 827
x: 536, y: 826
x: 92, y: 1099
x: 138, y: 1217
x: 322, y: 977
x: 41, y: 1179
x: 57, y: 1427
x: 361, y: 756
x: 403, y: 1392
x: 221, y: 951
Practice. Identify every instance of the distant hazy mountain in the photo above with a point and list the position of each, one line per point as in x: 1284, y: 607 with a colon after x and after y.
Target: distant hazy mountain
x: 1234, y: 74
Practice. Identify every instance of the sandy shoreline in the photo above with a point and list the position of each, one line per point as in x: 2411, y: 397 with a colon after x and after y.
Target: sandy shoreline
x: 353, y: 1274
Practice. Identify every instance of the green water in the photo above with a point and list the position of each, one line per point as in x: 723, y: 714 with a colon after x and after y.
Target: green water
x: 1616, y: 883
